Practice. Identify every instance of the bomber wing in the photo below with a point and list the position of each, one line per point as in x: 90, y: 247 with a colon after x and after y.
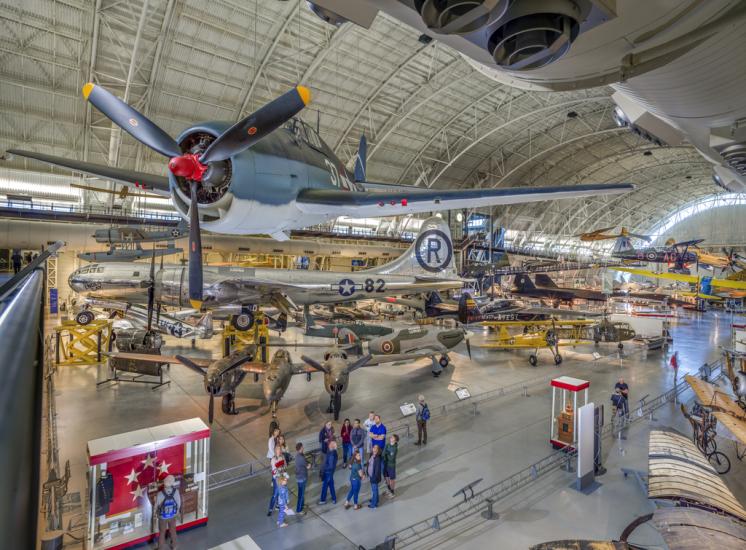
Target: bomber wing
x: 412, y: 200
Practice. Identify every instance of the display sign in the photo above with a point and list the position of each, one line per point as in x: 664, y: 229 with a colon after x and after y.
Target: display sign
x: 53, y: 305
x: 596, y: 355
x: 585, y: 446
x: 407, y: 409
x: 462, y: 393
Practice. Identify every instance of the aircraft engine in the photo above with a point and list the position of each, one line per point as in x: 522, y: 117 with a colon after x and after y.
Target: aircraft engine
x: 460, y: 16
x: 326, y: 14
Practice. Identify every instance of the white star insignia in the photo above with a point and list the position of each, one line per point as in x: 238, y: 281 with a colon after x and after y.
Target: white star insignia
x: 163, y: 467
x: 137, y: 493
x: 132, y: 477
x: 149, y: 462
x: 347, y: 287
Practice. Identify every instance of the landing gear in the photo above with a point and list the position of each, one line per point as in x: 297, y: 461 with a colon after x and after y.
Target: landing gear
x: 532, y: 360
x: 85, y: 317
x: 243, y: 321
x: 273, y: 409
x: 229, y: 404
x: 620, y: 346
x: 335, y: 404
x: 558, y: 359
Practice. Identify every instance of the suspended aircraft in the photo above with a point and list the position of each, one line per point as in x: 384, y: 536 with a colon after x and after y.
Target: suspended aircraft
x: 545, y: 288
x: 603, y: 235
x: 704, y: 287
x: 135, y: 234
x: 427, y: 265
x: 729, y: 260
x: 270, y: 173
x: 677, y: 254
x: 127, y: 253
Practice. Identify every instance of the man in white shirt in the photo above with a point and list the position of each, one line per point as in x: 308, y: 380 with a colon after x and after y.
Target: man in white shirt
x: 370, y: 421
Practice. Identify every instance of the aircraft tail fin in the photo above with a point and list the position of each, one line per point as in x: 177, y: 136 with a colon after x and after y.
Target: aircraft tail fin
x: 429, y: 257
x: 542, y: 279
x: 622, y: 244
x: 467, y: 308
x: 523, y: 282
x: 204, y: 326
x: 361, y: 160
x: 433, y: 299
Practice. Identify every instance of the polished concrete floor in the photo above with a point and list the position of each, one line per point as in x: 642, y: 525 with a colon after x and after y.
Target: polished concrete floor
x: 508, y: 434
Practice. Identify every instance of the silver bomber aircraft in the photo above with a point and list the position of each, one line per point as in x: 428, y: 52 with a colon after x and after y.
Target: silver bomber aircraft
x: 427, y: 265
x: 270, y: 173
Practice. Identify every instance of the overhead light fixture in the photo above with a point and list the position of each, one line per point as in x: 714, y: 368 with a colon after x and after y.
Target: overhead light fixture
x: 459, y: 217
x: 648, y: 154
x: 620, y: 118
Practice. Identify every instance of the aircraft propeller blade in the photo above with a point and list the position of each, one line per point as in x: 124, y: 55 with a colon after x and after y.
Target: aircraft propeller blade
x: 360, y: 363
x: 131, y: 121
x: 151, y: 290
x: 190, y: 364
x: 468, y: 347
x: 251, y: 129
x: 211, y: 408
x: 195, y: 252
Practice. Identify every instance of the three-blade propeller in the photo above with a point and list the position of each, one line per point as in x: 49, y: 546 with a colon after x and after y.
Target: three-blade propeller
x: 236, y: 139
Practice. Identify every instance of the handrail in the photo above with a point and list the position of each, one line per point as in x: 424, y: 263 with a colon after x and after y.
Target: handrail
x: 22, y: 333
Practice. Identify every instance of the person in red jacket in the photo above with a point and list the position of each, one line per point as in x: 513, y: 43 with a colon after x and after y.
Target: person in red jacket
x: 345, y: 433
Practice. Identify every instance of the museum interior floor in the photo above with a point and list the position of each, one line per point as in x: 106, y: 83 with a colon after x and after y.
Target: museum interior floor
x: 508, y: 434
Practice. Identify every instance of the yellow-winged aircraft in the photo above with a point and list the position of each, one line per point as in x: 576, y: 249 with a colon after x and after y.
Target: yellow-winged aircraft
x: 705, y: 287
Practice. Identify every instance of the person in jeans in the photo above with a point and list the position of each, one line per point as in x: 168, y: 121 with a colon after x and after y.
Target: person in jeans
x: 278, y: 469
x: 345, y: 434
x: 423, y: 415
x: 367, y: 424
x: 389, y: 463
x: 168, y: 506
x: 374, y: 474
x: 271, y: 442
x: 357, y: 438
x: 326, y: 435
x: 357, y: 474
x: 328, y: 468
x: 283, y: 499
x: 301, y: 477
x: 624, y: 391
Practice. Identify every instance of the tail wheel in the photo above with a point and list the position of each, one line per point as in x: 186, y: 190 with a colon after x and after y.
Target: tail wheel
x: 558, y: 359
x: 532, y: 360
x: 337, y: 405
x: 243, y: 321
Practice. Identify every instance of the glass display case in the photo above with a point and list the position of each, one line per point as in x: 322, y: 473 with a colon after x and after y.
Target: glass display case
x: 126, y: 472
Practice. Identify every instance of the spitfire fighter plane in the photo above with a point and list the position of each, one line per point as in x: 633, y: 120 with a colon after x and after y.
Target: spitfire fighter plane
x: 270, y: 173
x: 427, y: 265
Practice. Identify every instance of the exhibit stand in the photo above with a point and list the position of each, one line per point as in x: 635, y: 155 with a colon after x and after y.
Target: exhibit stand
x: 563, y: 423
x: 126, y: 472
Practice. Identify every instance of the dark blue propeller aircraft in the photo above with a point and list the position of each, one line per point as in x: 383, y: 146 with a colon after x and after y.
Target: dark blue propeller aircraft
x: 271, y: 173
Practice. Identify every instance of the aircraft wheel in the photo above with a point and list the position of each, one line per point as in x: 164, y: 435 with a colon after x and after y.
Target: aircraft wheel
x: 85, y: 317
x: 229, y: 404
x: 337, y: 405
x: 532, y: 360
x: 558, y: 359
x: 620, y: 346
x: 436, y: 373
x: 243, y: 321
x: 443, y: 361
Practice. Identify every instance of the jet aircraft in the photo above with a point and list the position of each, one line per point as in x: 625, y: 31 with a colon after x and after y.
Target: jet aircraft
x: 270, y: 173
x: 545, y: 288
x: 427, y: 265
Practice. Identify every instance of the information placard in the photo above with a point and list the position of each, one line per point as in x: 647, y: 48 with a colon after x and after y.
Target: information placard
x: 407, y: 409
x: 462, y: 393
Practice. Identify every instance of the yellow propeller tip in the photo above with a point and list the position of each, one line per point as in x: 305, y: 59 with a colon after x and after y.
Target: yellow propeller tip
x: 305, y: 94
x: 87, y: 89
x: 196, y: 304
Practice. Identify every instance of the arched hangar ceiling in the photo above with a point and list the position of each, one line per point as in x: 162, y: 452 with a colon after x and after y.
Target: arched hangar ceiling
x: 430, y: 118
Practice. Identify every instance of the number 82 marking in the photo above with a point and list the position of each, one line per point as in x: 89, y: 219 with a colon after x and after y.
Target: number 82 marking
x: 379, y: 285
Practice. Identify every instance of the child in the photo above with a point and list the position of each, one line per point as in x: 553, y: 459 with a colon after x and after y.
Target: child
x: 389, y: 463
x: 357, y: 474
x: 283, y: 498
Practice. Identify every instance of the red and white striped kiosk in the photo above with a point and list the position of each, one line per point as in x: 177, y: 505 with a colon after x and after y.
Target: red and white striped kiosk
x: 563, y: 424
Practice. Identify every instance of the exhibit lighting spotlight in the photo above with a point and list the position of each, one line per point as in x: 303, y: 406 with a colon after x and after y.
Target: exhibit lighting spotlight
x: 459, y: 217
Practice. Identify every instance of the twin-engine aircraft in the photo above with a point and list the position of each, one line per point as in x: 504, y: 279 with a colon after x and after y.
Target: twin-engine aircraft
x: 427, y: 265
x: 270, y: 173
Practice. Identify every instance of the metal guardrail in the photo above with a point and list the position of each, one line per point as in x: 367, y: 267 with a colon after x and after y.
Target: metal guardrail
x: 22, y: 333
x: 485, y: 499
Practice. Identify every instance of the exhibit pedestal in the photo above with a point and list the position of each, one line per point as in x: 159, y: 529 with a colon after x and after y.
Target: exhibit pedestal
x: 126, y: 473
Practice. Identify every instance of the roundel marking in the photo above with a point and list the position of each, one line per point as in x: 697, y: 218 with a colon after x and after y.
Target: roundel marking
x: 346, y: 287
x: 433, y: 250
x: 251, y: 131
x: 387, y: 346
x: 133, y: 122
x: 651, y: 255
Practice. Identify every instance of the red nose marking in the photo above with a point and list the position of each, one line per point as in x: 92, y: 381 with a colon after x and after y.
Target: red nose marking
x: 404, y: 202
x: 187, y: 166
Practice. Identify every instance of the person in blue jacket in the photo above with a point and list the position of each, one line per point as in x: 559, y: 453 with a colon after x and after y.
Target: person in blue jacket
x: 374, y: 474
x: 328, y: 469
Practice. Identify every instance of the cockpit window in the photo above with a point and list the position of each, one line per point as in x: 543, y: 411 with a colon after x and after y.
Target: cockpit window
x: 311, y: 137
x: 136, y: 274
